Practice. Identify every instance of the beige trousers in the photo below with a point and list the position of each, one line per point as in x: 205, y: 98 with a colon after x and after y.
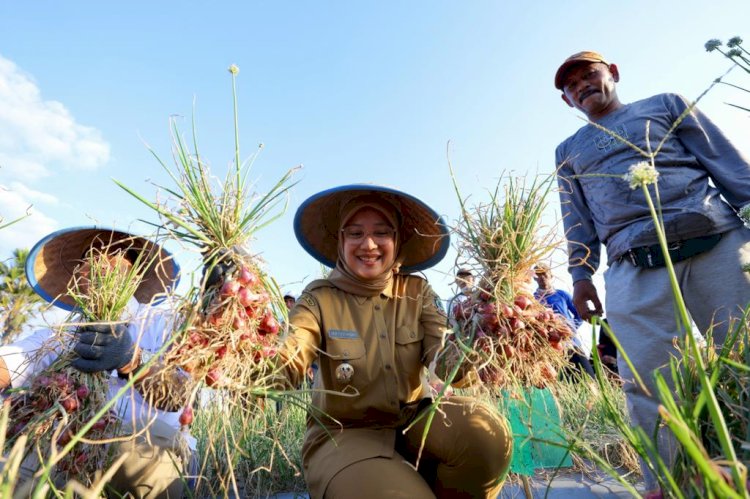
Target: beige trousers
x: 466, y: 454
x: 156, y: 466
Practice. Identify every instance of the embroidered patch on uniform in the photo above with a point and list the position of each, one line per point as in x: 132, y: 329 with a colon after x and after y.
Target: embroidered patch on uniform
x: 343, y: 334
x: 307, y: 300
x: 439, y: 306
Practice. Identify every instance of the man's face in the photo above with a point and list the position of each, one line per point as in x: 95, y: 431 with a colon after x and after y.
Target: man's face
x: 543, y: 280
x: 289, y: 301
x: 465, y: 281
x: 105, y: 263
x: 590, y: 88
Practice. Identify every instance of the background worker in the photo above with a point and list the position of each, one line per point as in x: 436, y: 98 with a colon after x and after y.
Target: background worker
x: 465, y: 282
x: 703, y: 182
x: 562, y: 303
x: 289, y: 300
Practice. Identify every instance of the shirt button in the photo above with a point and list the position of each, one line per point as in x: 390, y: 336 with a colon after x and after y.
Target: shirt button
x: 346, y: 354
x: 382, y: 335
x: 412, y: 335
x: 377, y: 307
x: 388, y: 367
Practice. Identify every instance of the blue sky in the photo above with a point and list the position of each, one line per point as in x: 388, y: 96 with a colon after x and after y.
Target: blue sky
x: 354, y: 91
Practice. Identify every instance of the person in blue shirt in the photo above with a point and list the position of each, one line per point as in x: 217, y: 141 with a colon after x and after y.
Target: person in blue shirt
x: 561, y: 303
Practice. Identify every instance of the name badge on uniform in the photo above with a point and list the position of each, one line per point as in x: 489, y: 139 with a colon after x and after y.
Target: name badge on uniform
x: 342, y: 334
x: 344, y: 371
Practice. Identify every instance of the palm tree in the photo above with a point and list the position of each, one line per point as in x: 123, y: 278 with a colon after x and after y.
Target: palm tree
x: 18, y: 301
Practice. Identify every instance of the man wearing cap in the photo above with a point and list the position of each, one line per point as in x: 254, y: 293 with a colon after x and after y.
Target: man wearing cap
x: 289, y: 300
x: 561, y: 303
x: 465, y: 282
x: 703, y: 182
x: 374, y: 327
x: 156, y: 461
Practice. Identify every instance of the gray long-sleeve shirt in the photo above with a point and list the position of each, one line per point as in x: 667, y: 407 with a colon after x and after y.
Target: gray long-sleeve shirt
x: 697, y: 165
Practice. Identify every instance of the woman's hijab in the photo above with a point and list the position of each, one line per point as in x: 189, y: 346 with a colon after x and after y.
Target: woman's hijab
x: 342, y: 276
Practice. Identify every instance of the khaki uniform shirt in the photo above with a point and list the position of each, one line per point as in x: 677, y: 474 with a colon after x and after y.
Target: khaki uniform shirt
x: 387, y: 340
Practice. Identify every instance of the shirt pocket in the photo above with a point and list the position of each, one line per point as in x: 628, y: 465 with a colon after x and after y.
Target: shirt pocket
x: 348, y: 351
x: 409, y: 346
x: 345, y: 349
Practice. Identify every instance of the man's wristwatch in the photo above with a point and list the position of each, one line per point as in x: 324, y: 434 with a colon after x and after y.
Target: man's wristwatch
x: 137, y: 361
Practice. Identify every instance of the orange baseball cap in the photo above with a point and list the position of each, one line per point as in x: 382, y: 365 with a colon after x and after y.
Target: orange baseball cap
x: 577, y: 58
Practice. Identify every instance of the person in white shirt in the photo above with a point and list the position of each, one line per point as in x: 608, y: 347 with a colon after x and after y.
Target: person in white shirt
x: 160, y: 453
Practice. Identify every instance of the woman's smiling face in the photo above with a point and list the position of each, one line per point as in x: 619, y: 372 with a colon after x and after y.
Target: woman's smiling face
x: 369, y: 244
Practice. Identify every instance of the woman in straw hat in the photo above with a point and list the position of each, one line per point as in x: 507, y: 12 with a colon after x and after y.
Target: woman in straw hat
x: 374, y: 328
x: 53, y: 264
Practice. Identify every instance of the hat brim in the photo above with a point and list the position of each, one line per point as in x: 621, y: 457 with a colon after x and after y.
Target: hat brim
x: 569, y: 64
x: 424, y: 236
x: 51, y: 262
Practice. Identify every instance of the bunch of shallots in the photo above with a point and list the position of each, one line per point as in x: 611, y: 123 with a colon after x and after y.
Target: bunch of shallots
x: 229, y: 342
x: 520, y: 342
x: 59, y: 402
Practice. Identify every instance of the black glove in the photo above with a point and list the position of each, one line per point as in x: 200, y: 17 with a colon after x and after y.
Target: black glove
x: 103, y: 347
x: 222, y: 265
x: 216, y: 270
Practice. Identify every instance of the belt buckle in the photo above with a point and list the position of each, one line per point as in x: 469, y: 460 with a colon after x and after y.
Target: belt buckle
x: 633, y: 259
x: 649, y: 257
x: 675, y: 246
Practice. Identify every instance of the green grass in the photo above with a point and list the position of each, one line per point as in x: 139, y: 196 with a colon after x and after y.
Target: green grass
x: 584, y: 413
x: 264, y: 451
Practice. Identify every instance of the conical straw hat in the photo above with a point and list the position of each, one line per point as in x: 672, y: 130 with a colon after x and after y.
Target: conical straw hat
x: 50, y: 265
x: 424, y: 234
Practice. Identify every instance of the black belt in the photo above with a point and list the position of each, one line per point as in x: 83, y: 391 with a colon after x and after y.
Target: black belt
x: 650, y: 257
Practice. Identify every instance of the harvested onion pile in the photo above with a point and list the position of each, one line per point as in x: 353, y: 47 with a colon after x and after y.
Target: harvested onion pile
x: 519, y: 342
x: 59, y: 402
x: 511, y: 338
x: 234, y: 335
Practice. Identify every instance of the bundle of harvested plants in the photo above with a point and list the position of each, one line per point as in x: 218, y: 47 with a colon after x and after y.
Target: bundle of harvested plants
x: 512, y: 337
x: 230, y: 323
x: 61, y: 414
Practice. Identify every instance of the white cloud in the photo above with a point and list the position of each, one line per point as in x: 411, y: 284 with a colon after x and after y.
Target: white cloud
x: 36, y: 134
x: 16, y: 201
x: 30, y: 194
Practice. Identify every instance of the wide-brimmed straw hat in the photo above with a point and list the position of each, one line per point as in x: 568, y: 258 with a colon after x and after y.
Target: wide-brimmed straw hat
x: 424, y: 237
x: 50, y: 264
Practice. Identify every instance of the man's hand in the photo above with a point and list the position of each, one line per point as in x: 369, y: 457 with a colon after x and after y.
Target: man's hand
x: 216, y: 270
x: 103, y: 347
x: 584, y: 292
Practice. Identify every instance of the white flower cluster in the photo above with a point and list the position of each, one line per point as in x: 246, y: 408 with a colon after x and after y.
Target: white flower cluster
x: 639, y: 174
x: 745, y: 215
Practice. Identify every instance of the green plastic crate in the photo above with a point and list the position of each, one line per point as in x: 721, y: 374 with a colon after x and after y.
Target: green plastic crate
x: 535, y: 421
